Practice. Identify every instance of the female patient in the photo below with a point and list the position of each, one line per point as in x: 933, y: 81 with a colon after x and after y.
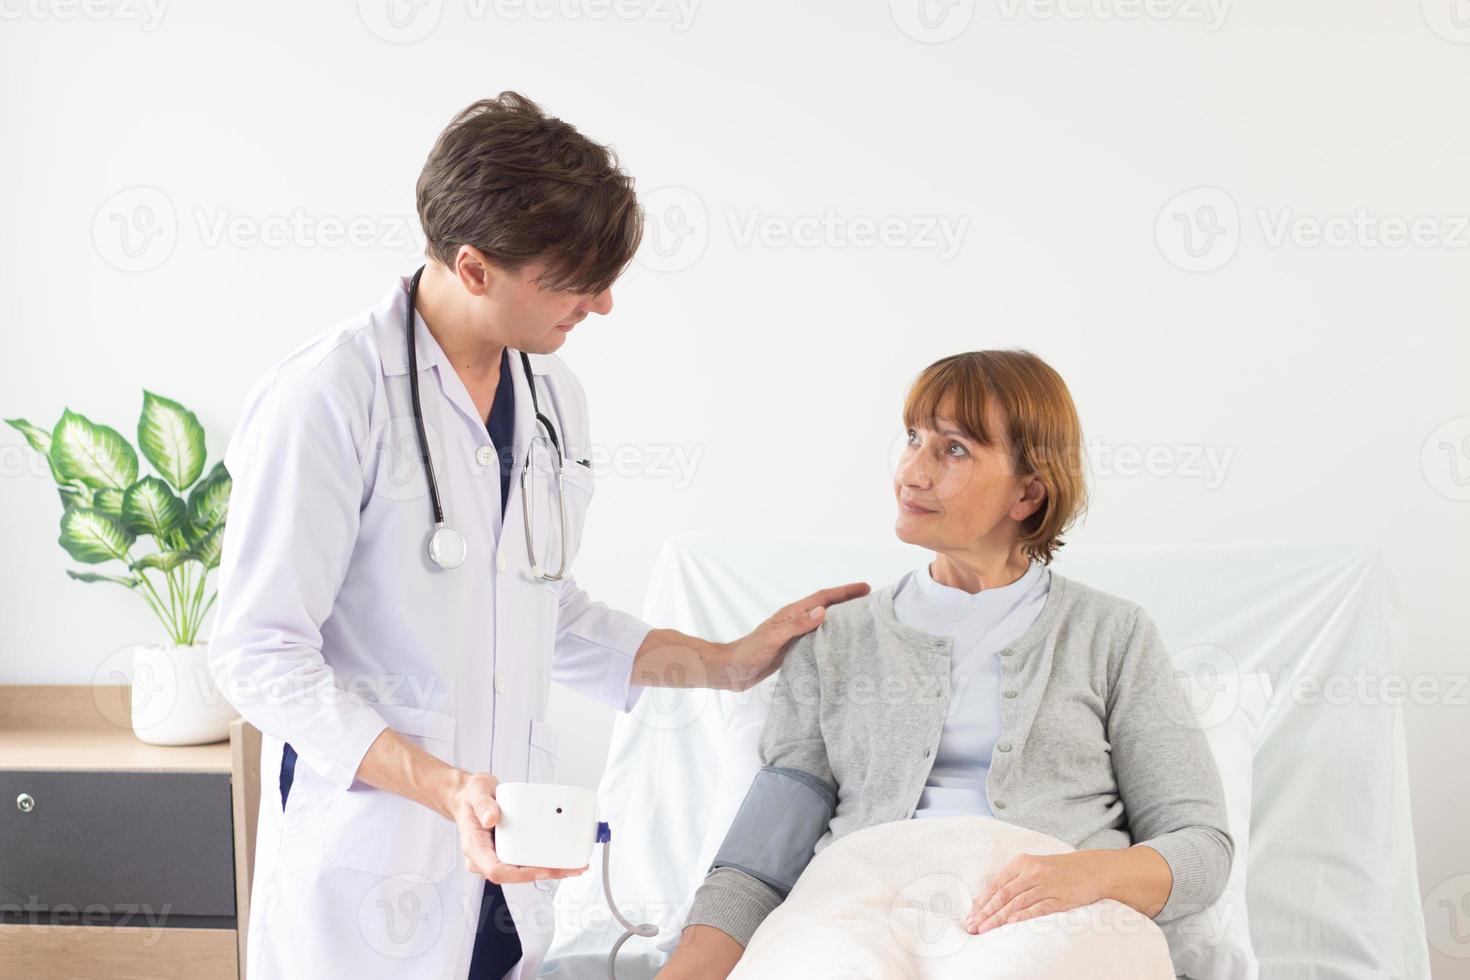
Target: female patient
x: 982, y: 684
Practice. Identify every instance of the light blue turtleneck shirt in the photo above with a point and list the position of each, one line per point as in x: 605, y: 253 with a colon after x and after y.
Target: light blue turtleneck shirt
x: 980, y: 626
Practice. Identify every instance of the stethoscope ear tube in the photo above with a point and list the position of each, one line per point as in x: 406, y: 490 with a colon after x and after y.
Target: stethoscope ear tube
x: 536, y: 570
x: 418, y: 413
x: 536, y: 406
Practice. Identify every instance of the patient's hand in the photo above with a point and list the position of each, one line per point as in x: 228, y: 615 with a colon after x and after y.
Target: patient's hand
x: 755, y: 656
x: 703, y: 953
x: 1032, y: 885
x: 1035, y: 884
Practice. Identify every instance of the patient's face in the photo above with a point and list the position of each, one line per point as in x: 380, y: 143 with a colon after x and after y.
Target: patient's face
x: 955, y: 494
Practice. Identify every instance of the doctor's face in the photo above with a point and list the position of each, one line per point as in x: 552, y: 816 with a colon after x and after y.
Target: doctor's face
x: 955, y: 494
x: 524, y: 315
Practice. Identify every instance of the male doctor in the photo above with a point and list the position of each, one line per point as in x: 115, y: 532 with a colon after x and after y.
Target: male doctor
x: 396, y: 687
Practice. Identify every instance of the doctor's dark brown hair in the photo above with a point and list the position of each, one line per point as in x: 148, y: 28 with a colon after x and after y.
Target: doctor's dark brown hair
x: 519, y: 185
x: 1042, y: 429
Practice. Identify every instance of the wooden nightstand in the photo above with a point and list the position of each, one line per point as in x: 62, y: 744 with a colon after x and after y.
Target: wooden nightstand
x: 120, y: 859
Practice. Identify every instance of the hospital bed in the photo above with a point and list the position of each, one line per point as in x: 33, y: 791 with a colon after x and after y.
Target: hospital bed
x: 1331, y: 883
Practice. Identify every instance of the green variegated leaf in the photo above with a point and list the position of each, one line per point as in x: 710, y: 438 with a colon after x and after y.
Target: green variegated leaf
x: 38, y: 437
x: 164, y: 561
x: 93, y: 454
x: 150, y: 507
x: 40, y: 441
x: 209, y: 501
x: 91, y: 536
x: 131, y: 582
x: 109, y: 500
x: 208, y: 548
x: 173, y: 440
x: 75, y: 496
x: 190, y: 533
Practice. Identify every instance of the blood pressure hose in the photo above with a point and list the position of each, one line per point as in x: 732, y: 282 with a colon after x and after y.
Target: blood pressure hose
x: 646, y: 930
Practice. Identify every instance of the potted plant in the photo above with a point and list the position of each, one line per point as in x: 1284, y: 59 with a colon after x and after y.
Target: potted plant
x: 107, y: 507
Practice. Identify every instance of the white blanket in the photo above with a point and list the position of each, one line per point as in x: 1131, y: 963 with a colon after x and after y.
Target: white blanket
x: 889, y: 902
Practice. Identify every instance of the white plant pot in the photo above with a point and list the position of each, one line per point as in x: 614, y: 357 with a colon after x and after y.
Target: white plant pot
x: 174, y: 699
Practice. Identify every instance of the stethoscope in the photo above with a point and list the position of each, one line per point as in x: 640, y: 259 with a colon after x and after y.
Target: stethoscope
x: 447, y: 547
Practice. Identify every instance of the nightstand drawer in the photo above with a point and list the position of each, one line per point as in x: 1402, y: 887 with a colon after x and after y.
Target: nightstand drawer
x: 146, y: 846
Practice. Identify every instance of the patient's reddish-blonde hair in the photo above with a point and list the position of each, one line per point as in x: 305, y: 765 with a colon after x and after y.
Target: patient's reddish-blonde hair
x: 1042, y: 429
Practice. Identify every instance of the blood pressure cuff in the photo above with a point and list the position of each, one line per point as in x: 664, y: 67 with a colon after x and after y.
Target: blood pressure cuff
x: 775, y: 834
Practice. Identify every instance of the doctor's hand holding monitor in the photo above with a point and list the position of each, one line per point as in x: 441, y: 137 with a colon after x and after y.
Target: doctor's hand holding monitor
x: 397, y: 586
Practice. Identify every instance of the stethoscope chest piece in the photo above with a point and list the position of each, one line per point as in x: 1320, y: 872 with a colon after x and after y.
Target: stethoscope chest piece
x: 447, y: 548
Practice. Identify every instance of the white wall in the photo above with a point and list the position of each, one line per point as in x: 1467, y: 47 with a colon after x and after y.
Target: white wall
x: 1328, y: 381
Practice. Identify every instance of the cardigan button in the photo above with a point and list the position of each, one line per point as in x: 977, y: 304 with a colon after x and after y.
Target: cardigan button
x: 1000, y: 804
x: 1010, y: 694
x: 1006, y: 653
x: 1004, y: 746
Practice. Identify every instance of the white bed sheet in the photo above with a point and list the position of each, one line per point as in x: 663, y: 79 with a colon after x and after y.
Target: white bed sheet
x: 1332, y: 886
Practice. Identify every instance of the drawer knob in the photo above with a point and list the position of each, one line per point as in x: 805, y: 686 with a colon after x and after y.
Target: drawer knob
x: 25, y: 803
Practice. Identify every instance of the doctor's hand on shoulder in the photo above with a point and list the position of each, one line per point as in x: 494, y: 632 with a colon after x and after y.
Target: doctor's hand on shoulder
x: 668, y: 658
x: 395, y: 764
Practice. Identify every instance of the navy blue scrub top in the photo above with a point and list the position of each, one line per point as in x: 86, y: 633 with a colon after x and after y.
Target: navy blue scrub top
x: 497, y: 945
x: 502, y: 428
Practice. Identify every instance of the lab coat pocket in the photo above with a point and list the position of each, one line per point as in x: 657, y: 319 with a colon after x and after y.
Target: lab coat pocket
x: 545, y: 741
x: 373, y: 830
x: 579, y: 484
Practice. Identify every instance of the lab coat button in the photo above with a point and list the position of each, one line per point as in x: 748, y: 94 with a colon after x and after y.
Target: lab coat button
x: 500, y: 562
x: 499, y: 683
x: 485, y: 455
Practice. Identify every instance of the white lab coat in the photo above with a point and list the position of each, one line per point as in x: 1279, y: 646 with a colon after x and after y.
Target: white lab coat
x: 333, y: 624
